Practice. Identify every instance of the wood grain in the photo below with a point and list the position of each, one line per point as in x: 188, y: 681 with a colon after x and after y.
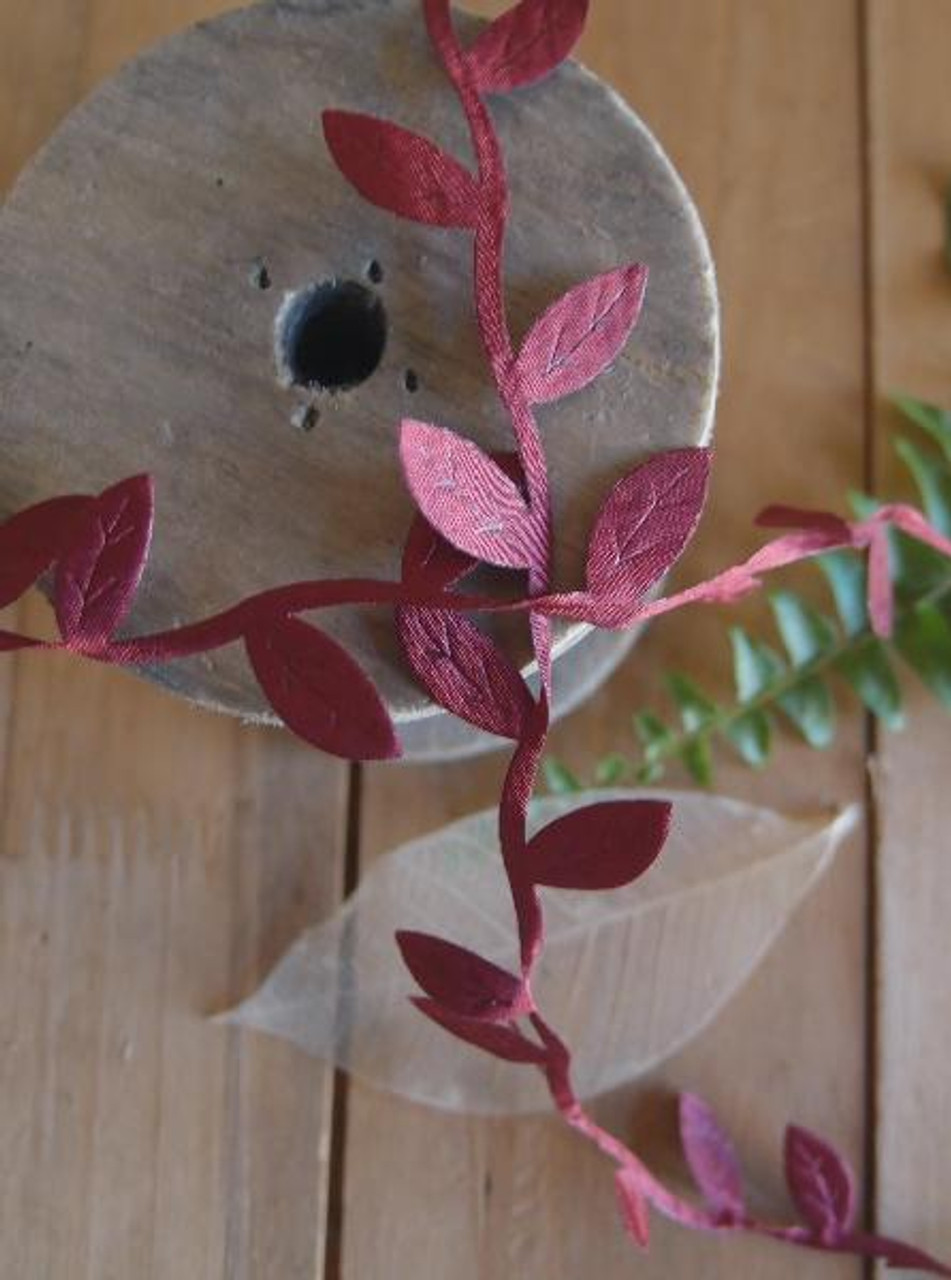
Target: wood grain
x: 768, y: 138
x: 910, y: 134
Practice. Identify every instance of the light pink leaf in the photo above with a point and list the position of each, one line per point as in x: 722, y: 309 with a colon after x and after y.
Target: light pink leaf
x: 319, y: 692
x: 881, y: 590
x: 467, y: 497
x: 464, y: 670
x: 602, y: 846
x: 711, y: 1157
x: 459, y: 980
x: 635, y: 1211
x: 820, y: 1183
x: 646, y: 523
x: 495, y: 1038
x: 430, y: 562
x: 401, y: 171
x: 32, y: 539
x: 97, y: 577
x: 526, y: 43
x: 581, y: 335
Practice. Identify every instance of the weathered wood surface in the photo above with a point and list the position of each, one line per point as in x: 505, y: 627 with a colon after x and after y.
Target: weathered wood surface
x: 139, y: 1141
x: 133, y: 336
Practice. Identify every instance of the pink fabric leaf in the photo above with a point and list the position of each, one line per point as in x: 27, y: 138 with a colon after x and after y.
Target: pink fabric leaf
x: 916, y: 526
x: 496, y: 1038
x: 401, y: 171
x: 430, y: 562
x: 319, y: 692
x: 31, y: 540
x: 896, y: 1254
x: 581, y: 335
x: 464, y: 671
x: 602, y: 846
x: 635, y: 1211
x: 820, y: 1183
x: 712, y: 1158
x: 646, y: 523
x: 467, y: 497
x: 460, y: 981
x: 881, y: 592
x: 99, y: 574
x: 526, y: 43
x: 782, y: 517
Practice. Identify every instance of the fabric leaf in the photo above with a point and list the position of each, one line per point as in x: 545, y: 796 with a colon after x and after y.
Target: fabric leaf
x: 711, y: 1157
x: 646, y: 523
x: 32, y: 539
x: 675, y: 944
x: 635, y: 1211
x: 98, y: 576
x: 458, y: 979
x: 432, y: 562
x: 400, y: 171
x: 581, y: 335
x: 319, y: 692
x: 464, y: 671
x: 493, y: 1037
x: 467, y: 497
x: 526, y: 43
x: 602, y: 846
x: 820, y: 1183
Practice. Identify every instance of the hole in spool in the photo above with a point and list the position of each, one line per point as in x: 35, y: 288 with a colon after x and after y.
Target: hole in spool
x: 331, y: 336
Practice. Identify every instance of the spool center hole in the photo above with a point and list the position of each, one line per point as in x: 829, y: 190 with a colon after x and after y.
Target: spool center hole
x: 333, y: 335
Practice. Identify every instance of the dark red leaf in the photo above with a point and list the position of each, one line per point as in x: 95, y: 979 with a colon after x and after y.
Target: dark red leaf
x: 31, y: 540
x: 820, y: 1183
x: 496, y: 1038
x: 319, y: 692
x: 602, y: 846
x: 459, y: 980
x: 467, y: 497
x: 97, y: 577
x: 711, y: 1157
x: 646, y: 523
x: 781, y: 517
x: 401, y: 171
x: 10, y: 642
x: 635, y: 1211
x: 430, y: 562
x: 464, y: 670
x: 527, y: 43
x: 581, y: 335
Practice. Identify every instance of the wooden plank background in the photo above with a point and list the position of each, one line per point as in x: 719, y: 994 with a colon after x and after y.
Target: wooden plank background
x: 156, y: 860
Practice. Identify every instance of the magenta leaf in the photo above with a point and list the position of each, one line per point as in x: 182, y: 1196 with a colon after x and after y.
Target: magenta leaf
x: 32, y: 539
x: 494, y: 1037
x: 459, y: 980
x: 820, y: 1183
x: 526, y: 43
x: 646, y: 523
x: 467, y: 497
x: 98, y: 575
x: 401, y: 171
x: 635, y: 1212
x: 319, y: 692
x: 712, y: 1158
x: 602, y: 846
x: 581, y: 335
x: 430, y: 562
x: 464, y: 671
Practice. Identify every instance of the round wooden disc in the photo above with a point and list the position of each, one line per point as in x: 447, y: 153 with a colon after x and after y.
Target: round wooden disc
x: 150, y: 251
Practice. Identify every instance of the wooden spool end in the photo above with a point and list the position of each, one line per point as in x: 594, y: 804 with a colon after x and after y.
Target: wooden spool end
x: 183, y: 256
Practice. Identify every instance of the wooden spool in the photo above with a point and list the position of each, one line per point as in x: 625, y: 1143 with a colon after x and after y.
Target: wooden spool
x: 156, y: 254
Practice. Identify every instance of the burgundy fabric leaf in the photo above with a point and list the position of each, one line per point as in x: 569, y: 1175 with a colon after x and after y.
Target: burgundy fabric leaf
x: 646, y: 523
x: 635, y: 1211
x: 602, y: 846
x: 319, y: 692
x: 97, y: 577
x: 459, y: 980
x: 526, y: 43
x: 429, y: 561
x: 32, y: 539
x: 10, y: 642
x: 581, y: 335
x: 401, y: 171
x: 500, y: 1040
x: 711, y: 1157
x: 820, y: 1183
x: 782, y: 517
x: 467, y: 497
x: 464, y: 671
